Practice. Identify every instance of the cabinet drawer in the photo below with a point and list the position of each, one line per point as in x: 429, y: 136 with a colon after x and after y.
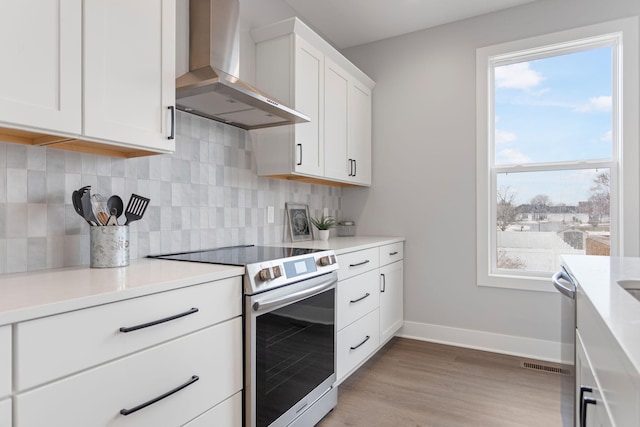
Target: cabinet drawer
x: 357, y: 262
x: 391, y: 253
x: 356, y: 343
x: 227, y: 414
x: 5, y: 413
x: 356, y: 297
x: 55, y: 346
x: 5, y: 361
x: 96, y: 397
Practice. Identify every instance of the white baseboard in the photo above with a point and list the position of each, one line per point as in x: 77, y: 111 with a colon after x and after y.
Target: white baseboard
x: 487, y: 341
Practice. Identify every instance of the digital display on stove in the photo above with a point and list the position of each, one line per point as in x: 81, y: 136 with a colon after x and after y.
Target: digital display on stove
x: 300, y: 267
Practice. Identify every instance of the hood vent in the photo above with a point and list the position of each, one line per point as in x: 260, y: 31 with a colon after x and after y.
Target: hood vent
x: 210, y: 88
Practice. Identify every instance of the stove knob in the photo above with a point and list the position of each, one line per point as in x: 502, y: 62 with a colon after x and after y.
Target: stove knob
x: 326, y: 260
x: 277, y: 272
x: 265, y: 274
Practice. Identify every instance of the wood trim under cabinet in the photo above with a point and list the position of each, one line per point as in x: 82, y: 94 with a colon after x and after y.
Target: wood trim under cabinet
x: 69, y: 144
x: 311, y: 180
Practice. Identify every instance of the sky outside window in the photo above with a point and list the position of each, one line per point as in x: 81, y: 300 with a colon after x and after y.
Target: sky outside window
x: 554, y: 109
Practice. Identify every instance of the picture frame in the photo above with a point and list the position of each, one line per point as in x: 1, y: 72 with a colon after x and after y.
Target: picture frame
x: 299, y: 224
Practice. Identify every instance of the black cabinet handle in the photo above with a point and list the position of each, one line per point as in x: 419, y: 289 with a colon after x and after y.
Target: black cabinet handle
x: 384, y: 282
x: 393, y: 253
x: 582, y: 410
x: 359, y: 263
x: 172, y: 135
x: 355, y: 167
x: 300, y: 151
x: 125, y: 412
x: 126, y: 329
x: 350, y: 167
x: 362, y: 343
x: 353, y: 301
x: 585, y: 402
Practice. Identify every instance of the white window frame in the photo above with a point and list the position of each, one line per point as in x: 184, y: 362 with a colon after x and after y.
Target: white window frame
x: 622, y: 35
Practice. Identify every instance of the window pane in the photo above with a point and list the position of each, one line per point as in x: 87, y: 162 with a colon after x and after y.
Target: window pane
x: 554, y: 109
x: 542, y: 215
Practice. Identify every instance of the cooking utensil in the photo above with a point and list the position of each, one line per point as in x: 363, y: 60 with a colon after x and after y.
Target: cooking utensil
x: 113, y: 218
x: 115, y: 202
x: 100, y: 209
x: 135, y: 208
x: 87, y: 208
x: 76, y: 199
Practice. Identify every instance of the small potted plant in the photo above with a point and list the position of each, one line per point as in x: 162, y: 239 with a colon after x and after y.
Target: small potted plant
x: 324, y: 224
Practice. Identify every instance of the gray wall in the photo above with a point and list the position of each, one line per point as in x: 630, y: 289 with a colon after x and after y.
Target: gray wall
x: 206, y: 194
x: 424, y: 131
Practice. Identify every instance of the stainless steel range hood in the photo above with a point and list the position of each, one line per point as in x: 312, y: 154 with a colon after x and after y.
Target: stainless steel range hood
x: 210, y: 88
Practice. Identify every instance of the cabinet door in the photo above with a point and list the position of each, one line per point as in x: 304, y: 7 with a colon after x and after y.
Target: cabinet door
x: 41, y: 77
x: 309, y: 88
x: 359, y: 147
x: 129, y: 66
x: 391, y: 304
x: 5, y: 361
x: 589, y: 402
x: 336, y: 126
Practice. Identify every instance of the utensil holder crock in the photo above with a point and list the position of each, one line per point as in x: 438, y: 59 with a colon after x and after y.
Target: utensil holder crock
x: 109, y: 246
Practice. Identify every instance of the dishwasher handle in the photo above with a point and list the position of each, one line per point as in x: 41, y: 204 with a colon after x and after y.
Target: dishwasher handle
x: 564, y: 290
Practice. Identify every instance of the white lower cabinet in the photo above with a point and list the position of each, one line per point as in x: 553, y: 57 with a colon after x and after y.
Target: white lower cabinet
x: 591, y: 410
x: 391, y: 295
x: 5, y: 413
x: 227, y: 414
x: 369, y: 304
x: 206, y: 364
x: 356, y: 343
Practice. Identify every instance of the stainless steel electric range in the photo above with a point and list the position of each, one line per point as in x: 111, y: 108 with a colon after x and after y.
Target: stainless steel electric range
x: 289, y: 327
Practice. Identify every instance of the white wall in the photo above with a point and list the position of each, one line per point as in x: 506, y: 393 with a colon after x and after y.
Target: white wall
x: 424, y: 174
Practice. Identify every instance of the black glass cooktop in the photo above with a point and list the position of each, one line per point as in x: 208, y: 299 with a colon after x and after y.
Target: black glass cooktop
x: 237, y: 255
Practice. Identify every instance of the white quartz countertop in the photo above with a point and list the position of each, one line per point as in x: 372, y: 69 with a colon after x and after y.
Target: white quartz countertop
x: 598, y: 277
x: 342, y: 245
x: 25, y: 296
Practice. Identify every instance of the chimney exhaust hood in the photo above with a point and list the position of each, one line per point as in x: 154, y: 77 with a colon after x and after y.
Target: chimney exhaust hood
x: 210, y: 88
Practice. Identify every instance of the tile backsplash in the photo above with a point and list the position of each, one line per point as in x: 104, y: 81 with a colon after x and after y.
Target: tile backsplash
x: 204, y: 195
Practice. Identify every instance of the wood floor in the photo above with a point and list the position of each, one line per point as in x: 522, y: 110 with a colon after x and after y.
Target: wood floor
x: 412, y: 383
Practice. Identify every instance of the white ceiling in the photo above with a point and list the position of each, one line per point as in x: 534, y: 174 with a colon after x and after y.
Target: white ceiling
x: 347, y: 23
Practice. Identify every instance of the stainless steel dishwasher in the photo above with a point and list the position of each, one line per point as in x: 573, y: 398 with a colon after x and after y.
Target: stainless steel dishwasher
x: 565, y: 284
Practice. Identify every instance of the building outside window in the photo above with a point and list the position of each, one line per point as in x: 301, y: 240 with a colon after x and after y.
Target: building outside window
x: 554, y: 149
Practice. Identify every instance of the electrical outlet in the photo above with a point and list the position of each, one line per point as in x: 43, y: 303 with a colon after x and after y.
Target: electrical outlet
x: 270, y: 215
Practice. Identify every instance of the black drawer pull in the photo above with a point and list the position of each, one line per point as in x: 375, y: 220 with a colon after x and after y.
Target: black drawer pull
x: 362, y: 343
x: 126, y: 329
x: 359, y: 263
x: 393, y: 253
x: 125, y: 412
x: 353, y: 301
x: 384, y: 283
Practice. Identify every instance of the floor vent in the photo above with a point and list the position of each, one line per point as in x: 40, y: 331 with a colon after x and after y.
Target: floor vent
x: 553, y: 369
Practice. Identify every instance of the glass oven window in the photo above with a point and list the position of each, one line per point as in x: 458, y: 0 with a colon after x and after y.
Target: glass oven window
x: 294, y: 354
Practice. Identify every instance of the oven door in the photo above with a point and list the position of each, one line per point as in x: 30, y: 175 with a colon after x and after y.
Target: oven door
x: 290, y: 350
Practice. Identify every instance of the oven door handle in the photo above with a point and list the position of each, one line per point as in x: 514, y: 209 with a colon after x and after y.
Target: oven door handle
x: 267, y: 304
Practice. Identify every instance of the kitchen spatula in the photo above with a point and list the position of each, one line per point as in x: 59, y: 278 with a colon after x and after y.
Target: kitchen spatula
x: 136, y: 207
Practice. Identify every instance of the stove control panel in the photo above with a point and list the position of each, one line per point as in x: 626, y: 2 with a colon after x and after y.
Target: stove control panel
x: 272, y: 274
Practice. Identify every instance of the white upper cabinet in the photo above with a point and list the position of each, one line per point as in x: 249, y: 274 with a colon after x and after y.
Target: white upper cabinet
x: 359, y: 148
x: 94, y: 76
x: 41, y: 75
x: 129, y: 71
x: 336, y: 122
x: 300, y: 69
